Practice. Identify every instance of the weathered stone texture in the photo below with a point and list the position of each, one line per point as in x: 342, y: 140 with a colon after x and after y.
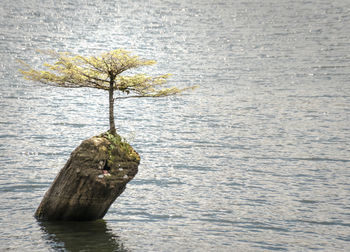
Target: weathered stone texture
x: 94, y: 176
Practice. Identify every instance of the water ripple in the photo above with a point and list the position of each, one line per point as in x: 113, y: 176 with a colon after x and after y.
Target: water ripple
x: 255, y: 159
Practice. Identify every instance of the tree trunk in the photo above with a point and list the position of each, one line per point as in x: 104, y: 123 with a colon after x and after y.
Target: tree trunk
x: 93, y: 177
x: 112, y: 129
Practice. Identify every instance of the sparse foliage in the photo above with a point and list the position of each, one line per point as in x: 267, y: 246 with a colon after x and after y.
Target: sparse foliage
x: 102, y: 72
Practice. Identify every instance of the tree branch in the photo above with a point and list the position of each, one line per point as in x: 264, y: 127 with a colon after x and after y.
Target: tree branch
x: 91, y: 64
x: 133, y: 96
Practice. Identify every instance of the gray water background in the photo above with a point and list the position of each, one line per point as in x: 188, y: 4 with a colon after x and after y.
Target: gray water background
x: 256, y: 159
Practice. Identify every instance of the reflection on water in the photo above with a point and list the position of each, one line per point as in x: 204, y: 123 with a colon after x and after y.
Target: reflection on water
x: 81, y: 236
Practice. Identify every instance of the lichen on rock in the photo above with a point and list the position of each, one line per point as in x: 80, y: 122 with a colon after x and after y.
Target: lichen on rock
x: 120, y: 152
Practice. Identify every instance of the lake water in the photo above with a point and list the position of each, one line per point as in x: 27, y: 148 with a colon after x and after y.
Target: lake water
x: 256, y: 159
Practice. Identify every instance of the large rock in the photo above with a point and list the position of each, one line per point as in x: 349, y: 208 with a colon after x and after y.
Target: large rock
x: 94, y: 176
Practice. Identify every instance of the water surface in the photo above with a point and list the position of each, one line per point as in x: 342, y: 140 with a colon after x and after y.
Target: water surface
x: 256, y: 159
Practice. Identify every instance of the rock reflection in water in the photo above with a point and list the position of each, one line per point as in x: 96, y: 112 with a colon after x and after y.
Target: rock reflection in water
x: 81, y: 236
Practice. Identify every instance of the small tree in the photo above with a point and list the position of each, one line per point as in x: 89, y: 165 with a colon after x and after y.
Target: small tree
x: 102, y: 72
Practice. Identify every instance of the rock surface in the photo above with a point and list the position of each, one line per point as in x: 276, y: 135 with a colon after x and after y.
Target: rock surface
x: 94, y: 176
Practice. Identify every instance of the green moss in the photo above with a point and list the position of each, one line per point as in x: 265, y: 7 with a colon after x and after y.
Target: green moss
x: 119, y: 151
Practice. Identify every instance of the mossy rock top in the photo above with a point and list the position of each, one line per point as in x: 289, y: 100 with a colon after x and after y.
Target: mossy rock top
x: 107, y: 152
x: 119, y: 149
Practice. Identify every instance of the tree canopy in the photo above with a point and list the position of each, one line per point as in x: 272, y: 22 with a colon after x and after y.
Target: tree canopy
x: 102, y: 72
